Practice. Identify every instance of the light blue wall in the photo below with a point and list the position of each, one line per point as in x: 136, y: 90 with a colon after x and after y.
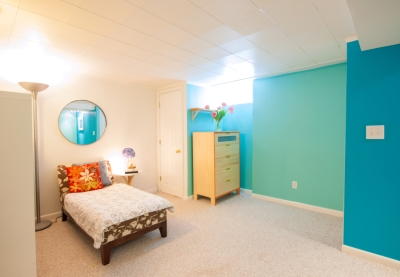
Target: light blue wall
x: 299, y: 135
x: 240, y: 120
x: 372, y: 182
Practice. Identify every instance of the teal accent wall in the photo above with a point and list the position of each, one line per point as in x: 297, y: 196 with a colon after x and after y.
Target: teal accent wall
x: 299, y: 135
x: 240, y: 120
x: 372, y: 182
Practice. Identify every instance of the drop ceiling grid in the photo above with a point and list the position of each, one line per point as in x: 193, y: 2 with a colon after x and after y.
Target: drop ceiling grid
x: 86, y: 28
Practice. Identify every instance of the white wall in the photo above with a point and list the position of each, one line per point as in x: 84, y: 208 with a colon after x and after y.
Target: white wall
x: 131, y: 122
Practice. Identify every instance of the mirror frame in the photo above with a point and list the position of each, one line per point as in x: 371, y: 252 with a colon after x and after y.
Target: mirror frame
x: 105, y: 127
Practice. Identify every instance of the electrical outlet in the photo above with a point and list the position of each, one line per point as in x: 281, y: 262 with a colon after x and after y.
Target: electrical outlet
x: 294, y: 184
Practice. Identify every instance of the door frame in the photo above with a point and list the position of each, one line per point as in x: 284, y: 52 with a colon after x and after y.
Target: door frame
x: 182, y: 87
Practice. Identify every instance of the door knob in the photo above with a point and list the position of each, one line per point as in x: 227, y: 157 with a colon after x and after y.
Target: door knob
x: 178, y: 151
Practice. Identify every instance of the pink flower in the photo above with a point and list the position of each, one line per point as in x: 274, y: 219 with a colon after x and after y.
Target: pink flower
x: 219, y: 108
x: 231, y: 109
x: 207, y: 107
x: 223, y: 104
x: 214, y: 114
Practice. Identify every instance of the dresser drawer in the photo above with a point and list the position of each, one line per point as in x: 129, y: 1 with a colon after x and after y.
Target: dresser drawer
x: 226, y: 185
x: 226, y: 160
x: 228, y: 137
x: 227, y: 169
x: 226, y: 149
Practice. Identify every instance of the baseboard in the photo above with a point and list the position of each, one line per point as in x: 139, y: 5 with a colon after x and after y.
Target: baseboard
x: 370, y: 256
x: 154, y: 190
x: 299, y: 205
x: 187, y: 197
x: 50, y: 217
x: 247, y: 191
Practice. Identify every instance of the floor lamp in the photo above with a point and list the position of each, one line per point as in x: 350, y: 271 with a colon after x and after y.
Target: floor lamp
x: 34, y: 88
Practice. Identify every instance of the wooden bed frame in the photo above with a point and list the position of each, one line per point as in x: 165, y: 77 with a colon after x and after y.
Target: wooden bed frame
x: 105, y: 249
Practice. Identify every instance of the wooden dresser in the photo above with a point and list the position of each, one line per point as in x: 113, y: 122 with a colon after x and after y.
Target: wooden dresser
x: 216, y: 164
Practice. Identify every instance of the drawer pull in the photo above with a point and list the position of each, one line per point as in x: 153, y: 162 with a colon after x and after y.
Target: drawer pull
x: 228, y: 180
x: 228, y: 156
x: 228, y: 168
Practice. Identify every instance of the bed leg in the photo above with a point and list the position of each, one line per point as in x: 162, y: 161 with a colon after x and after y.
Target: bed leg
x: 64, y: 216
x: 105, y: 254
x: 163, y: 229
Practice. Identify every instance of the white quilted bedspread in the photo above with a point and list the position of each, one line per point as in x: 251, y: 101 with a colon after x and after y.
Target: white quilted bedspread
x: 96, y: 210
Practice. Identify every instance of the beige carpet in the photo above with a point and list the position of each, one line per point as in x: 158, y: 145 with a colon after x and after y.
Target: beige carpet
x: 241, y: 236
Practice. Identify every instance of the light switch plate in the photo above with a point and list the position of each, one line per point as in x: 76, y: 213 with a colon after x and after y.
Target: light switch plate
x: 376, y: 132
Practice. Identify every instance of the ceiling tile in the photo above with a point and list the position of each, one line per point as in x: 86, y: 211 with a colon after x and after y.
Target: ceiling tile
x: 78, y: 34
x: 14, y: 3
x: 138, y: 3
x: 228, y: 60
x: 267, y: 36
x: 4, y: 39
x: 201, y: 3
x: 327, y: 55
x: 145, y: 22
x: 221, y: 35
x: 155, y: 45
x: 237, y: 45
x: 251, y: 23
x: 158, y: 60
x: 77, y: 3
x: 263, y: 3
x: 92, y: 22
x: 252, y: 53
x: 61, y: 53
x: 342, y: 29
x: 27, y: 44
x: 285, y: 10
x: 171, y: 10
x: 137, y: 53
x: 56, y: 9
x: 335, y: 12
x: 174, y: 35
x: 305, y: 23
x: 198, y: 23
x: 195, y: 60
x: 178, y: 66
x: 31, y: 34
x: 38, y: 22
x: 295, y: 58
x: 214, y: 53
x: 229, y: 10
x: 69, y: 45
x: 225, y: 70
x: 210, y: 65
x: 112, y: 45
x: 324, y: 3
x: 313, y: 36
x: 127, y: 35
x: 280, y: 45
x: 196, y: 45
x: 201, y: 76
x: 177, y: 53
x: 115, y: 10
x: 242, y: 66
x: 7, y: 18
x: 270, y: 63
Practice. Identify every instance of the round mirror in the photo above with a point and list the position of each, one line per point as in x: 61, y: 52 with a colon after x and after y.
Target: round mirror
x: 82, y: 122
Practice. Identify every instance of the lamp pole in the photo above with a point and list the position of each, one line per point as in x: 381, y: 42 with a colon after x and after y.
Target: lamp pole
x: 34, y: 88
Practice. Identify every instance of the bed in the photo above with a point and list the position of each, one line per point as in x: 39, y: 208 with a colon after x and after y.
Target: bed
x: 114, y: 214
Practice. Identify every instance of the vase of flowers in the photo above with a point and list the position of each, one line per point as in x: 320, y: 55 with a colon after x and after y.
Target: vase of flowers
x: 129, y: 154
x: 219, y: 113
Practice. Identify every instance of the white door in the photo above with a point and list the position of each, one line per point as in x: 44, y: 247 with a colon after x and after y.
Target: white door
x: 171, y: 143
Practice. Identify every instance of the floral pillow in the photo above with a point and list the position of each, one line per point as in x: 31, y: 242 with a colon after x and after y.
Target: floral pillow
x: 84, y: 177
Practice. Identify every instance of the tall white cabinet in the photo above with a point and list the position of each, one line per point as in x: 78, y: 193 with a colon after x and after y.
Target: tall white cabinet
x: 17, y: 232
x: 216, y: 164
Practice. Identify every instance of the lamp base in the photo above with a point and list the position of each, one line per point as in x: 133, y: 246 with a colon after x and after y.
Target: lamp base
x: 42, y: 225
